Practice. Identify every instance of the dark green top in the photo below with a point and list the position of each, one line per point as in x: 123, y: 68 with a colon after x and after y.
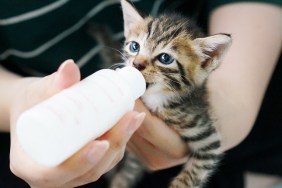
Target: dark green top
x: 36, y: 36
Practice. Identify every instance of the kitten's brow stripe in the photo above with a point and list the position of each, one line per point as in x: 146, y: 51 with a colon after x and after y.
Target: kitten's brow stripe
x: 168, y: 35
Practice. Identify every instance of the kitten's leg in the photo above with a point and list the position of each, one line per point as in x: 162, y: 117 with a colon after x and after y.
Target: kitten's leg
x: 201, y: 164
x: 195, y: 173
x: 130, y: 173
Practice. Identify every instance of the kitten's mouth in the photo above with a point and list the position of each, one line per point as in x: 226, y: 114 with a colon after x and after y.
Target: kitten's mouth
x: 148, y: 85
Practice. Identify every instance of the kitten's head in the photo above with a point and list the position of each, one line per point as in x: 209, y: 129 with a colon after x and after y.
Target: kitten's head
x: 169, y: 51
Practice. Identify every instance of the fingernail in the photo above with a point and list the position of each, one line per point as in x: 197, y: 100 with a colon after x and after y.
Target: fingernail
x: 61, y: 69
x: 136, y: 122
x: 97, y: 152
x: 62, y: 66
x: 58, y: 74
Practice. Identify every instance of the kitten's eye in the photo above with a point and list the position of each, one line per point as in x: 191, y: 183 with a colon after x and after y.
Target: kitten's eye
x: 165, y: 58
x: 134, y: 47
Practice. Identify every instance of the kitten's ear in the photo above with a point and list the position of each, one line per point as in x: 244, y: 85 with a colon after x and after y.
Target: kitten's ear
x: 130, y: 15
x: 212, y: 50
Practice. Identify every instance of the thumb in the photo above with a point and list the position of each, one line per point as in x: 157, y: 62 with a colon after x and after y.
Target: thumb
x: 38, y: 89
x: 43, y: 88
x: 67, y: 75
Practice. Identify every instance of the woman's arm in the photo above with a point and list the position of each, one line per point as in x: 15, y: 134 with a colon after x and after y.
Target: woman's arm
x: 238, y: 86
x: 8, y: 87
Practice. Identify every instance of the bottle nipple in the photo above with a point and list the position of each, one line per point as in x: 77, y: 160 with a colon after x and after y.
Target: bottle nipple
x: 135, y: 80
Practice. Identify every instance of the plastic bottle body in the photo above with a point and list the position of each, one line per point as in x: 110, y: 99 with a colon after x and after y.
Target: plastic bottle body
x: 57, y: 128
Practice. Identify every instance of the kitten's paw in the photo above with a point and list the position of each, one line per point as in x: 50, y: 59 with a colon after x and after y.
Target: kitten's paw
x: 182, y: 181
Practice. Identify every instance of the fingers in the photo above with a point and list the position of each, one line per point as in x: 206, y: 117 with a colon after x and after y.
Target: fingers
x: 156, y: 132
x: 63, y: 175
x: 126, y: 127
x: 151, y: 156
x: 117, y: 139
x: 74, y: 170
x: 87, y: 165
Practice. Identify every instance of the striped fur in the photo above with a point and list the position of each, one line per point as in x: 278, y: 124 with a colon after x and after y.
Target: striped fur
x: 177, y: 91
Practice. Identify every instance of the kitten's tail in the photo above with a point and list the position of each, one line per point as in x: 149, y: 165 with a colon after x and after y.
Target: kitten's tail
x: 129, y: 175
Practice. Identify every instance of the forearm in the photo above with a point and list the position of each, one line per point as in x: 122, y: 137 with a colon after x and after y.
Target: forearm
x: 238, y: 86
x: 8, y: 88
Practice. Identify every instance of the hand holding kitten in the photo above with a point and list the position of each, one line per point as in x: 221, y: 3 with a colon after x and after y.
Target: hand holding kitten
x: 155, y: 144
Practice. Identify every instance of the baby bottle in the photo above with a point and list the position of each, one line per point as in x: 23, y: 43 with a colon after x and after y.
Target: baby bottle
x: 55, y: 129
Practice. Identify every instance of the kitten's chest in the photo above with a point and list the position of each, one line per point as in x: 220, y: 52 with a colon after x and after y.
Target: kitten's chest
x: 155, y: 102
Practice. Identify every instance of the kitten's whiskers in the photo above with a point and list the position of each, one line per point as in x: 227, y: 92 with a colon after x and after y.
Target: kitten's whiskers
x: 119, y: 52
x: 117, y: 65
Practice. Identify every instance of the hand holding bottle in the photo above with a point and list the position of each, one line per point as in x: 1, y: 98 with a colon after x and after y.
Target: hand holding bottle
x: 86, y: 165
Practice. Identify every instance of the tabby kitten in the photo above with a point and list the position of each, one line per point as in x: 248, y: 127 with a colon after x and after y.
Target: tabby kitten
x: 176, y: 60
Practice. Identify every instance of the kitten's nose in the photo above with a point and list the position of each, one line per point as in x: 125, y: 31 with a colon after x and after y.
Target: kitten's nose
x: 139, y: 63
x: 138, y: 66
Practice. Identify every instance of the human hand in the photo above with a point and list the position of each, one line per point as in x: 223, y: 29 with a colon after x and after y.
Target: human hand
x: 155, y: 144
x: 88, y: 164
